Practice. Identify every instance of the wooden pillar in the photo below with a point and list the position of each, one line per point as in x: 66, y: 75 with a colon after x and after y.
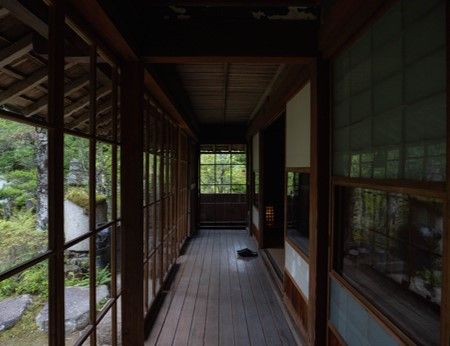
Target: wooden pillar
x: 320, y: 182
x: 56, y: 172
x: 132, y: 138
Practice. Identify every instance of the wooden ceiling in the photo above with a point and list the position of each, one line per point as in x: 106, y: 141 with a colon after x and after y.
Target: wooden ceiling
x: 226, y: 93
x: 24, y: 75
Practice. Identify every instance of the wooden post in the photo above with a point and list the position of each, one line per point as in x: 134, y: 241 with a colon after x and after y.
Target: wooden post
x: 132, y: 97
x: 56, y: 173
x: 320, y: 181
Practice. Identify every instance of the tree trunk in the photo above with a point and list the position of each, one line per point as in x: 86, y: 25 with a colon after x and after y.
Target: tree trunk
x: 41, y: 146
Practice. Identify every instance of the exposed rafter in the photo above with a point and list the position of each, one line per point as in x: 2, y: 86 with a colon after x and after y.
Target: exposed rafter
x: 102, y: 108
x: 226, y: 68
x: 84, y: 101
x: 22, y: 86
x: 15, y: 50
x: 222, y: 3
x: 69, y: 88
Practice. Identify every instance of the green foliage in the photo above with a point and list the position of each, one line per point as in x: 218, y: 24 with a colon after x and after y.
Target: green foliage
x: 76, y: 148
x: 223, y: 173
x: 80, y: 197
x: 16, y: 146
x: 21, y: 187
x: 19, y: 239
x: 82, y: 279
x: 32, y: 281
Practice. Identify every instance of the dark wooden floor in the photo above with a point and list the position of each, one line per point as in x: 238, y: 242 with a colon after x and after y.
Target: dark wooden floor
x: 220, y: 299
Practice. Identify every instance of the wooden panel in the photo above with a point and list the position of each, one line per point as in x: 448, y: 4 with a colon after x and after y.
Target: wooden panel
x: 297, y: 302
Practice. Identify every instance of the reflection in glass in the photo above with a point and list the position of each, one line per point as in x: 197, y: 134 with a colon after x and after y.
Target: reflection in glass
x: 390, y: 249
x: 297, y: 197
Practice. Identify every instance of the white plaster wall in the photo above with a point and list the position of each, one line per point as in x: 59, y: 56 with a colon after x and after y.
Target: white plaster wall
x: 255, y: 152
x: 298, y: 126
x: 298, y: 268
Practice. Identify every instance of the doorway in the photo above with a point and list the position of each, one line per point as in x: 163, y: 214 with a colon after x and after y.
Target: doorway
x: 223, y: 185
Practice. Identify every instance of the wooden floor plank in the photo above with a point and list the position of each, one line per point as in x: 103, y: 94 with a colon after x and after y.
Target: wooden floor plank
x: 226, y: 331
x: 174, y: 315
x: 220, y: 299
x: 262, y: 307
x: 241, y: 336
x: 186, y: 263
x: 197, y: 331
x: 255, y: 329
x: 187, y: 311
x: 213, y: 307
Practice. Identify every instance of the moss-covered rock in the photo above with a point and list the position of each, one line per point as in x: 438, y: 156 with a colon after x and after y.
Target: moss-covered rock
x: 80, y: 197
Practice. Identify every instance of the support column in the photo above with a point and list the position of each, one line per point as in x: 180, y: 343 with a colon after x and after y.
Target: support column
x: 132, y: 138
x: 320, y: 189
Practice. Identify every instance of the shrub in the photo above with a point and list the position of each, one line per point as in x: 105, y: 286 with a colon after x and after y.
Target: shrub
x: 32, y: 281
x: 20, y: 240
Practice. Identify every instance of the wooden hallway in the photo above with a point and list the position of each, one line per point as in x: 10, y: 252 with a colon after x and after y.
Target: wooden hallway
x: 219, y: 299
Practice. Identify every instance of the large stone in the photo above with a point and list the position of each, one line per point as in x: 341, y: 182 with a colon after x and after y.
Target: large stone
x: 76, y: 301
x: 12, y: 309
x: 104, y: 328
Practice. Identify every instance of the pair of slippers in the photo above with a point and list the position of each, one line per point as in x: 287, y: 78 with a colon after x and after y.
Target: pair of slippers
x: 247, y: 253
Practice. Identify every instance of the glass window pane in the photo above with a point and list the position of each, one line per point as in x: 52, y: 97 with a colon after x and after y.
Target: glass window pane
x: 391, y: 84
x: 104, y: 330
x: 297, y: 209
x: 24, y: 72
x: 238, y: 189
x: 238, y: 174
x: 103, y: 183
x: 104, y: 111
x: 23, y: 193
x: 206, y: 158
x: 223, y: 158
x: 76, y: 291
x: 239, y: 159
x: 390, y: 249
x: 207, y: 174
x: 103, y: 267
x: 223, y: 189
x: 76, y: 188
x: 24, y: 296
x: 77, y: 89
x: 223, y: 174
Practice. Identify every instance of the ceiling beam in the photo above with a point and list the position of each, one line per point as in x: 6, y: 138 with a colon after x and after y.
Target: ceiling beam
x: 290, y: 81
x: 240, y: 3
x: 226, y: 70
x: 16, y: 50
x: 21, y: 10
x: 230, y: 41
x: 69, y: 88
x: 267, y: 91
